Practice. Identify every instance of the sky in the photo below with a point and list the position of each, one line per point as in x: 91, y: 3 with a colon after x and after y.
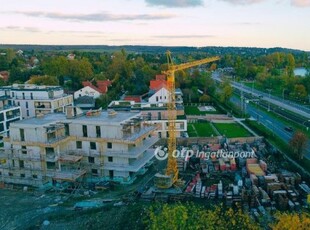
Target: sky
x: 250, y: 23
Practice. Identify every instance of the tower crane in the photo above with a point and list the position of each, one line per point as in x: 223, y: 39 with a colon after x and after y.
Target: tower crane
x: 172, y: 173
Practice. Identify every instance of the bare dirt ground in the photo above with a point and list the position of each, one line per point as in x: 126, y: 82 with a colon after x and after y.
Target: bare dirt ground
x: 29, y: 209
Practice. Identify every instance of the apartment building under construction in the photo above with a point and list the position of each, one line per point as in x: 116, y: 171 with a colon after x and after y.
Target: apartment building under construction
x: 73, y: 147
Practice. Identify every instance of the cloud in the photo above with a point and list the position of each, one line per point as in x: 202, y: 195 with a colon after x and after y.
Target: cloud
x: 97, y: 17
x: 298, y: 3
x: 243, y: 2
x: 184, y: 36
x: 19, y: 28
x: 247, y: 23
x: 175, y: 3
x: 301, y: 3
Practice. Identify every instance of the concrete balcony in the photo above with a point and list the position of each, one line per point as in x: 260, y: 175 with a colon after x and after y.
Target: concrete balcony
x: 134, y: 152
x: 134, y: 166
x: 142, y: 132
x: 66, y: 175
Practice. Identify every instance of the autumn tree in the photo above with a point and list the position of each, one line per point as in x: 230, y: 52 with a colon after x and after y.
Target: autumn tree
x: 290, y: 64
x: 300, y: 92
x: 43, y: 80
x: 205, y: 98
x: 190, y: 216
x: 298, y: 144
x: 226, y: 91
x: 292, y: 221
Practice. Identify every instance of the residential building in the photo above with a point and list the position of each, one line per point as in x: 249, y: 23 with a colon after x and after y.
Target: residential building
x: 85, y: 103
x: 88, y: 91
x: 159, y: 93
x: 70, y: 57
x: 72, y: 147
x: 162, y: 96
x: 92, y: 90
x: 8, y: 114
x: 35, y: 99
x: 156, y: 114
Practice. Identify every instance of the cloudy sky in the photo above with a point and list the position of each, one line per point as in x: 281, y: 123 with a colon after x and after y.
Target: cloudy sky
x: 259, y: 23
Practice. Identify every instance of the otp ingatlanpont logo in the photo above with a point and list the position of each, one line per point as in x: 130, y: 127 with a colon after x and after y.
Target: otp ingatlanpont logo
x: 161, y: 153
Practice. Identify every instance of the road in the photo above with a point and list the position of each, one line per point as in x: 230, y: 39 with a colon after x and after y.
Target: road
x: 288, y: 105
x: 270, y: 122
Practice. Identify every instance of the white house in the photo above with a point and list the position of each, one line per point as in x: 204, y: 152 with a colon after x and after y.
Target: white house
x: 87, y: 91
x: 162, y: 96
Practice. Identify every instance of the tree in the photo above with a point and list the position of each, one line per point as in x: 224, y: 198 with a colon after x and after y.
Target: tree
x: 57, y: 66
x: 4, y: 65
x: 227, y: 91
x: 205, y: 98
x: 298, y: 144
x: 290, y: 64
x: 43, y: 80
x: 190, y: 216
x: 300, y: 92
x: 213, y: 67
x: 292, y: 221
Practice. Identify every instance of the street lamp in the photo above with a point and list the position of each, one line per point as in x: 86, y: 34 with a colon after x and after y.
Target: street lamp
x: 269, y: 90
x: 307, y: 128
x: 283, y: 93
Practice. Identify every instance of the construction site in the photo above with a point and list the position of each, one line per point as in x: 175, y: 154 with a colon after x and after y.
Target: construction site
x: 74, y: 168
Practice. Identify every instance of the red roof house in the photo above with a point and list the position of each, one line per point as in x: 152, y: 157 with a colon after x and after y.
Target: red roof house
x: 158, y: 83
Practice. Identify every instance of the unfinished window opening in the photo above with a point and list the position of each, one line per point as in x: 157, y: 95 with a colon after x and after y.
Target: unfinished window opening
x: 111, y: 174
x: 79, y: 144
x: 50, y: 165
x: 92, y: 145
x: 91, y: 160
x: 94, y: 172
x: 109, y: 145
x: 98, y: 131
x: 24, y: 149
x: 22, y: 134
x: 22, y: 175
x: 85, y: 131
x: 67, y: 132
x: 21, y: 164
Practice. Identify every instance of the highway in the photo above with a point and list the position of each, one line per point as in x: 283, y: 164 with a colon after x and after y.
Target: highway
x: 288, y: 105
x: 273, y: 124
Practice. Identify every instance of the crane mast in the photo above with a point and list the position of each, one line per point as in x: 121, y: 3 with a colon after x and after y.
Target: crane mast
x: 172, y: 172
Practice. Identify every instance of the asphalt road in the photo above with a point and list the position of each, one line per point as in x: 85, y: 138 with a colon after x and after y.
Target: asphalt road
x: 273, y: 124
x: 288, y: 105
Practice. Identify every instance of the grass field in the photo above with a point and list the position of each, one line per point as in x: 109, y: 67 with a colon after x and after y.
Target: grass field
x: 232, y: 130
x: 193, y: 110
x: 200, y: 130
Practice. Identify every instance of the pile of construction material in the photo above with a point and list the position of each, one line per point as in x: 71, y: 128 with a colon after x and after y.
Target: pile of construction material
x: 254, y: 168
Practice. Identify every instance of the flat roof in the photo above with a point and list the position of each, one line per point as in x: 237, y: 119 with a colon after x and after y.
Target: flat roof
x: 103, y: 118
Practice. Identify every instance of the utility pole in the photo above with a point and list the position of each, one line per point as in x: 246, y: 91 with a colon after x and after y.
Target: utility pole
x: 242, y: 99
x: 269, y: 90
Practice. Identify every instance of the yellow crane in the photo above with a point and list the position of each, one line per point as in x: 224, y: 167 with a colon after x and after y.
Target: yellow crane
x: 172, y: 172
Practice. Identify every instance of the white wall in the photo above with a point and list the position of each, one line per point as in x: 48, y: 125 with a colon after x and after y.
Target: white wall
x: 86, y: 91
x: 160, y: 96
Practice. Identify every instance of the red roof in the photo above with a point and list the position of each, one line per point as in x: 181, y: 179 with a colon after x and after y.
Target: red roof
x: 158, y: 83
x: 136, y: 99
x: 102, y: 86
x: 4, y: 75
